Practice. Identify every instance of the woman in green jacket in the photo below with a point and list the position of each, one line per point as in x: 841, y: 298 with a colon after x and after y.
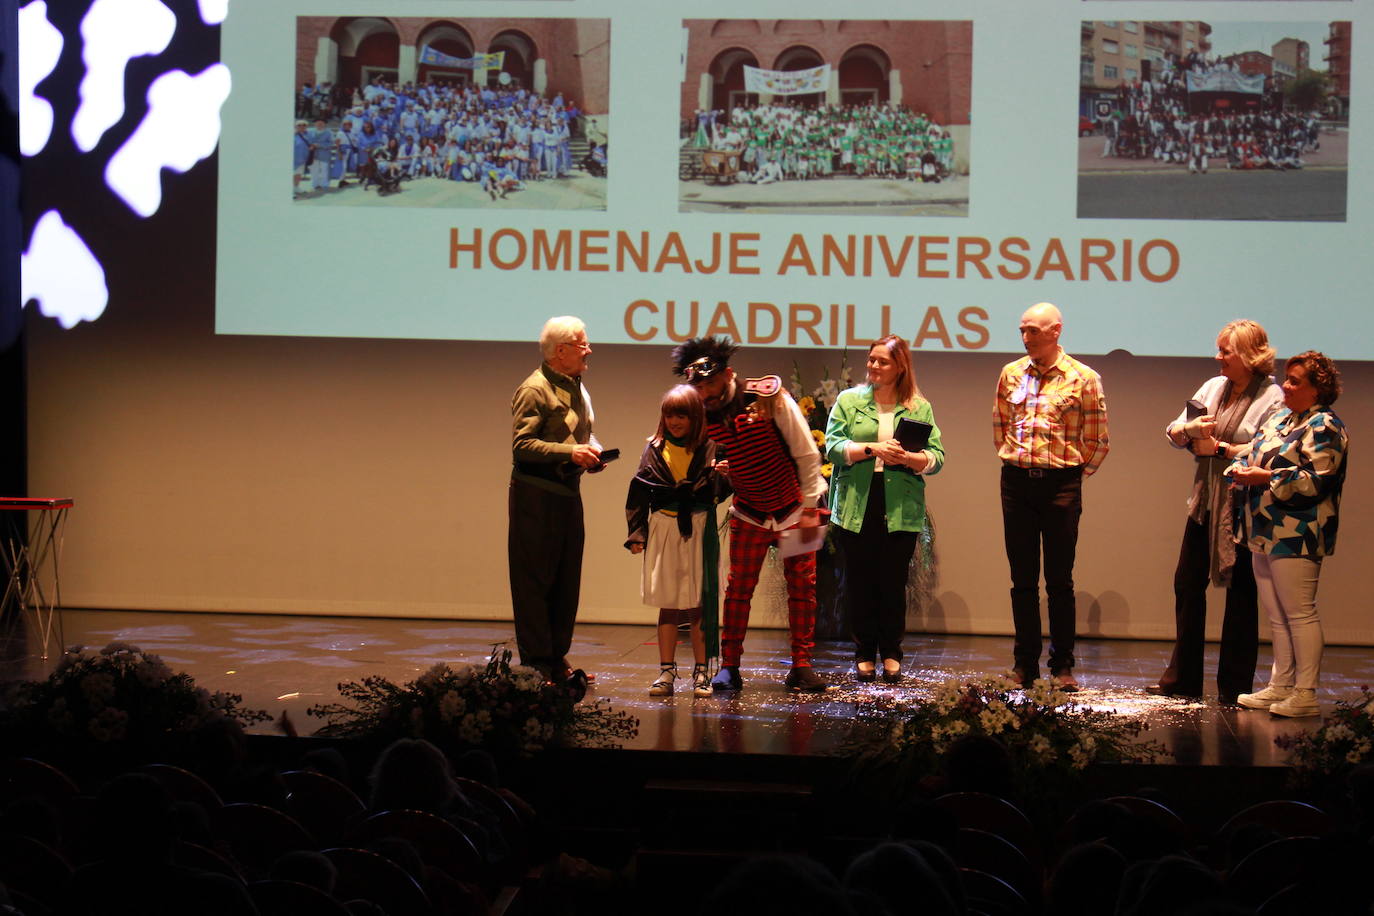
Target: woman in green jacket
x: 877, y: 501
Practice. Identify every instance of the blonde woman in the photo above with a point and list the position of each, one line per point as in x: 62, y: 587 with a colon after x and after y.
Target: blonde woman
x: 1236, y: 403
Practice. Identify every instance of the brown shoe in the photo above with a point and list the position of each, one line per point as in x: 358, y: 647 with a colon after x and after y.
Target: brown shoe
x: 1024, y: 676
x: 1064, y: 680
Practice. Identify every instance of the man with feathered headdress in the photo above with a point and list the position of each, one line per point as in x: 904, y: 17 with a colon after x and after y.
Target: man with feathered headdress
x: 775, y: 470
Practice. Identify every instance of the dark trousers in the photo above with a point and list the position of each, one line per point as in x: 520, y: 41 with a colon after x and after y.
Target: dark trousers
x: 873, y: 579
x: 1040, y: 512
x: 1239, y: 626
x: 544, y: 546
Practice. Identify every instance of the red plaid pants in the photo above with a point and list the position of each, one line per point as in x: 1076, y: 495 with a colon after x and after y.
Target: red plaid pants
x: 748, y: 548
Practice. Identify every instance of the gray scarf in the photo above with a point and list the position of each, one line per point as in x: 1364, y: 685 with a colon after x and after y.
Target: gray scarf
x: 1211, y: 500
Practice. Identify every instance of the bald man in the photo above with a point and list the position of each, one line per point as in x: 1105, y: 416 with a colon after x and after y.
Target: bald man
x: 1049, y: 425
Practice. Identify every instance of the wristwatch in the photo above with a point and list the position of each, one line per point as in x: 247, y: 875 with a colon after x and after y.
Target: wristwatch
x: 1221, y: 450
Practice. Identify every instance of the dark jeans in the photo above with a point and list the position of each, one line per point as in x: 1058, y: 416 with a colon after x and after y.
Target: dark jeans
x: 1040, y: 510
x: 875, y: 563
x: 544, y: 545
x: 1239, y: 625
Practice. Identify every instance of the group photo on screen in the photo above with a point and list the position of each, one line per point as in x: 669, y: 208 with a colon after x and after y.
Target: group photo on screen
x: 820, y: 116
x: 1258, y: 109
x: 419, y: 112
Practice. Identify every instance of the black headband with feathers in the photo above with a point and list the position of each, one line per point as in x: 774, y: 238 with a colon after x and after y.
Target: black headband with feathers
x: 719, y: 349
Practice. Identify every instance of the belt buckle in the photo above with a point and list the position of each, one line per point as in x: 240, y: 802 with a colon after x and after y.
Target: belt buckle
x: 1035, y: 472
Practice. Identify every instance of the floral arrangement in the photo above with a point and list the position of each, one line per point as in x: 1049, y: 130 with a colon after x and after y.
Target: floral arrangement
x: 117, y: 696
x: 815, y: 405
x: 1043, y: 730
x: 504, y: 708
x: 1344, y: 740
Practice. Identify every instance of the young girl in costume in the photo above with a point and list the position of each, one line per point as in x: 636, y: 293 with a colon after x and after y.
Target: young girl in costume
x: 671, y: 509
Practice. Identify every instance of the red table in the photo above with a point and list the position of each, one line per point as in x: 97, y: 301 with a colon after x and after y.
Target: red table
x: 31, y: 551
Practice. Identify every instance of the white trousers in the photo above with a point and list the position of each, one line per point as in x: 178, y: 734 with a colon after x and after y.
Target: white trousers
x: 1288, y: 593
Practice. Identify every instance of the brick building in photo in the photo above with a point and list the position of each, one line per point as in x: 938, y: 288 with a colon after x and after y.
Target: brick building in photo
x: 1338, y: 65
x: 1114, y: 52
x: 550, y: 56
x: 922, y: 65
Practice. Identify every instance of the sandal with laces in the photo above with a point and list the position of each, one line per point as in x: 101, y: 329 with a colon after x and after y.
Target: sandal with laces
x: 701, y: 680
x: 663, y: 684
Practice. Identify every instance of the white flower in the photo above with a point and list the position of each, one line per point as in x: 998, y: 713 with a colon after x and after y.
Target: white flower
x: 947, y: 697
x: 468, y: 731
x: 98, y: 687
x: 451, y: 706
x: 1041, y: 747
x: 1339, y: 732
x: 60, y: 717
x: 151, y: 672
x: 431, y: 679
x: 997, y: 718
x: 1080, y: 755
x: 937, y: 738
x: 957, y: 727
x: 828, y: 392
x: 111, y: 725
x: 1354, y: 756
x: 1003, y: 683
x: 526, y: 679
x: 1043, y: 693
x: 463, y: 674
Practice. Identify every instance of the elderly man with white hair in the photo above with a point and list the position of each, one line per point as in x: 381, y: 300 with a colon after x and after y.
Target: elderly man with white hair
x: 1049, y: 425
x: 552, y: 445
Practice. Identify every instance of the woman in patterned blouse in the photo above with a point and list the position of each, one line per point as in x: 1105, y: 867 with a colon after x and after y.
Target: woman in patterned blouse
x: 1292, y: 479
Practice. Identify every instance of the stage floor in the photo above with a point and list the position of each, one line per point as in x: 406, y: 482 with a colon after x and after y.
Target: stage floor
x: 289, y: 663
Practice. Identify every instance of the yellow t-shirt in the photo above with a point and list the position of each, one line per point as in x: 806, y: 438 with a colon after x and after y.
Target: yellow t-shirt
x: 679, y: 461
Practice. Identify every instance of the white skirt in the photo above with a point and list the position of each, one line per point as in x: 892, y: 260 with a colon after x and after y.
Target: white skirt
x: 672, y: 565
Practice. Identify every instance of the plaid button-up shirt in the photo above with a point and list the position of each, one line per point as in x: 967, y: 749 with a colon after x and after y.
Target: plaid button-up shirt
x: 1055, y: 418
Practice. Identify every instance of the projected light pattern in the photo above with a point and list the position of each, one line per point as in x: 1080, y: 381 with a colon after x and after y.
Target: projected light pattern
x: 182, y: 128
x: 155, y: 118
x: 60, y: 272
x: 114, y: 32
x: 42, y: 47
x: 212, y: 12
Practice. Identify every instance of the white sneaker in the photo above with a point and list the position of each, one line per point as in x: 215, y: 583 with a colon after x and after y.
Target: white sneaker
x: 663, y: 684
x: 1263, y: 699
x: 1303, y: 702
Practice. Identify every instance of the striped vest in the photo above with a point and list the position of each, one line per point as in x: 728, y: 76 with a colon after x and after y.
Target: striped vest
x: 762, y: 471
